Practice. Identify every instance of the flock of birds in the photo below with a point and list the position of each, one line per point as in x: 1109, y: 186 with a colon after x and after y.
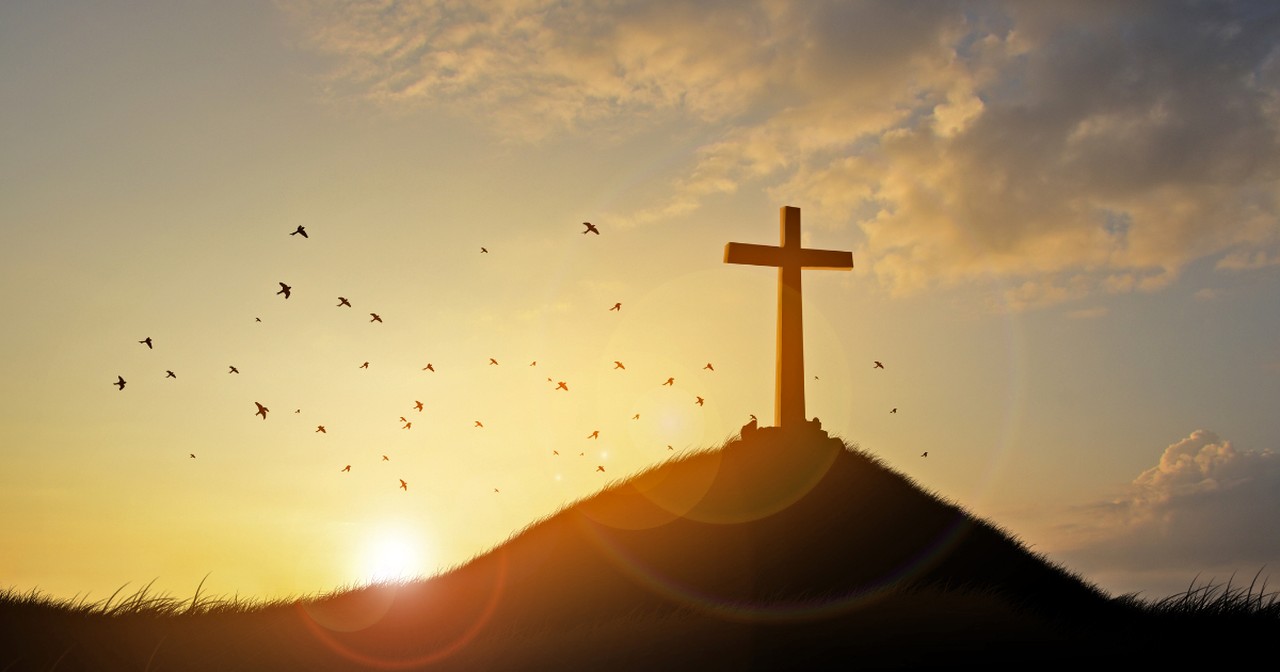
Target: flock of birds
x: 286, y: 291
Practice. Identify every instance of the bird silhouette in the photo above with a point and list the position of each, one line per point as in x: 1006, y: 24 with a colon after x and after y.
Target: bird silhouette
x: 617, y: 307
x: 193, y: 455
x: 385, y: 458
x: 533, y: 363
x: 364, y: 366
x: 493, y: 362
x: 147, y: 342
x: 320, y: 429
x: 924, y: 454
x: 670, y: 381
x: 374, y: 317
x: 753, y: 415
x: 878, y: 365
x: 300, y: 230
x: 484, y: 251
x: 342, y: 301
x: 169, y: 374
x: 407, y: 425
x: 404, y: 419
x: 699, y: 401
x: 594, y: 435
x: 618, y: 365
x: 600, y: 468
x: 119, y: 382
x: 562, y: 386
x: 257, y: 319
x: 669, y: 447
x: 233, y: 369
x: 297, y: 410
x: 708, y: 367
x: 591, y: 228
x: 636, y: 416
x: 428, y: 367
x: 479, y: 424
x: 495, y: 490
x: 347, y: 468
x: 404, y: 486
x: 285, y: 289
x: 418, y: 405
x: 262, y: 410
x: 555, y: 452
x: 895, y: 410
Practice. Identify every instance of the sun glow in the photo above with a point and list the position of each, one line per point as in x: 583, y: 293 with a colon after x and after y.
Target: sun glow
x: 392, y: 555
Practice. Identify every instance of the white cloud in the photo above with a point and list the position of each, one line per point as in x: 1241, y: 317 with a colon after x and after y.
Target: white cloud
x: 1058, y: 148
x: 1205, y: 507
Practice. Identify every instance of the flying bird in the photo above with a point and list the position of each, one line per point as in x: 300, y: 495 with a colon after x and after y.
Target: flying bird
x: 120, y: 382
x: 193, y: 455
x: 708, y: 367
x: 495, y: 489
x: 699, y: 401
x: 562, y: 386
x: 479, y: 424
x: 533, y: 363
x: 169, y: 374
x: 418, y: 405
x: 300, y: 230
x: 617, y: 307
x: 347, y: 468
x: 147, y: 342
x: 320, y: 429
x: 262, y: 410
x: 407, y: 425
x: 484, y: 251
x: 284, y: 289
x: 555, y: 452
x: 895, y: 410
x: 404, y: 419
x: 591, y: 228
x: 233, y: 369
x: 618, y: 365
x: 364, y: 366
x: 669, y: 447
x: 404, y: 486
x: 924, y: 454
x: 428, y: 367
x: 297, y: 410
x: 257, y: 319
x: 600, y: 468
x: 594, y: 435
x: 636, y: 416
x: 385, y: 458
x: 493, y: 362
x: 374, y: 317
x: 342, y: 301
x: 878, y: 365
x: 670, y: 381
x: 753, y: 415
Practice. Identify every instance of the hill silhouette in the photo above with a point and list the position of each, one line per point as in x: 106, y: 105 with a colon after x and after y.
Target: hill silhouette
x: 778, y: 550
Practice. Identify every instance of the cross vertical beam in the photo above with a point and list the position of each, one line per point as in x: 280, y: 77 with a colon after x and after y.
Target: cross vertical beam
x: 790, y: 259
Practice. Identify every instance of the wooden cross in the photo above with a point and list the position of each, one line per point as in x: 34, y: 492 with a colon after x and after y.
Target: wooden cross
x: 790, y: 259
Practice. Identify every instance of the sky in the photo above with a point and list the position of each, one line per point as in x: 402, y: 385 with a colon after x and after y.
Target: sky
x: 1064, y: 221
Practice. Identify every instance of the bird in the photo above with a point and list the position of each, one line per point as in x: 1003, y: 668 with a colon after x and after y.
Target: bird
x: 364, y: 366
x: 342, y: 301
x: 374, y: 317
x: 600, y: 468
x: 670, y: 381
x: 591, y: 228
x: 418, y: 405
x: 428, y: 367
x: 147, y: 342
x: 617, y: 307
x: 257, y: 319
x: 495, y: 490
x: 284, y: 289
x: 636, y: 416
x: 493, y: 362
x: 347, y: 468
x: 169, y: 374
x: 297, y: 410
x: 924, y: 454
x: 404, y: 486
x: 594, y: 435
x: 193, y: 455
x: 233, y: 369
x: 562, y: 386
x: 484, y: 251
x: 533, y: 363
x: 404, y: 419
x: 120, y: 382
x: 878, y: 365
x: 301, y: 229
x: 708, y: 367
x: 385, y: 458
x: 407, y: 425
x: 320, y: 429
x: 699, y: 401
x: 753, y: 415
x: 895, y: 410
x: 479, y: 424
x: 669, y: 447
x: 262, y: 410
x: 555, y: 452
x: 618, y: 365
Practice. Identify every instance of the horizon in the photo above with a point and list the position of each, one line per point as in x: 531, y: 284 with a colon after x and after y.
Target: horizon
x: 1063, y: 220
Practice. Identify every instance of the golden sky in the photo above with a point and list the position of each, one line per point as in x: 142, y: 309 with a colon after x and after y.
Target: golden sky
x: 1063, y: 218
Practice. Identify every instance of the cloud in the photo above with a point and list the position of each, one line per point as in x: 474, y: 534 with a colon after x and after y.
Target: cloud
x: 1058, y: 149
x: 1204, y: 506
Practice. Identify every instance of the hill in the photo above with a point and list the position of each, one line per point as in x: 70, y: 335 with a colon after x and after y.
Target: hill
x: 779, y: 549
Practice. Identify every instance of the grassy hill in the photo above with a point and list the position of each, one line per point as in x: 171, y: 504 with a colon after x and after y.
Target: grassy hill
x: 781, y: 549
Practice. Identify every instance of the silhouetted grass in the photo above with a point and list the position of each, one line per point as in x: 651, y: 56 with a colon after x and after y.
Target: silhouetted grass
x: 777, y: 550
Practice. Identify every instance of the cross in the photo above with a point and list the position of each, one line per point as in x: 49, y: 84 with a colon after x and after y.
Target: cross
x: 790, y: 259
